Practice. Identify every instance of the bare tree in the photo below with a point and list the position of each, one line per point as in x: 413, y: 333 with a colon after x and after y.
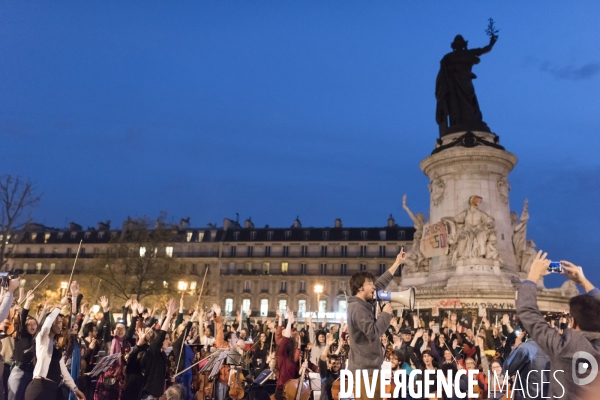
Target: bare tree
x: 17, y: 196
x: 138, y: 262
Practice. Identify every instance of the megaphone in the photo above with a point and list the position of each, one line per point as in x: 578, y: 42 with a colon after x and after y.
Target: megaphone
x: 405, y: 298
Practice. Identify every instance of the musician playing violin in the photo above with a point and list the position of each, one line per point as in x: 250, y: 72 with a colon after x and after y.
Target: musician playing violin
x: 329, y: 367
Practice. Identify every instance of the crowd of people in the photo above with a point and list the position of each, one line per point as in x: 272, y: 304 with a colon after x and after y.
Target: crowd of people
x: 71, y: 352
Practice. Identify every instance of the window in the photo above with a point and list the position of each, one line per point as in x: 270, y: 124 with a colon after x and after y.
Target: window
x: 304, y: 251
x: 232, y: 251
x: 323, y: 306
x: 253, y: 235
x: 38, y: 267
x: 193, y: 285
x: 302, y: 288
x: 100, y: 235
x: 249, y: 266
x: 213, y: 236
x: 169, y: 251
x: 236, y: 236
x: 209, y: 251
x: 363, y: 235
x: 52, y: 266
x: 325, y: 235
x: 33, y: 236
x: 60, y: 235
x: 343, y: 286
x: 381, y: 251
x: 82, y: 251
x: 46, y: 237
x: 266, y: 268
x: 250, y: 251
x: 343, y: 269
x: 200, y: 236
x: 264, y: 307
x: 188, y: 236
x: 229, y: 286
x: 363, y: 251
x: 283, y: 288
x: 28, y: 250
x: 301, y: 308
x: 401, y: 234
x: 270, y: 235
x: 286, y: 251
x: 306, y: 235
x: 282, y: 305
x: 284, y: 267
x: 73, y: 235
x: 25, y: 266
x: 323, y: 269
x: 245, y: 306
x: 247, y: 286
x: 41, y: 251
x: 165, y: 284
x: 363, y: 267
x: 323, y: 251
x: 264, y: 286
x: 342, y: 306
x: 96, y: 250
x: 288, y: 235
x: 343, y: 251
x: 381, y: 269
x: 228, y: 307
x: 382, y: 235
x: 303, y: 269
x: 142, y: 251
x: 267, y: 251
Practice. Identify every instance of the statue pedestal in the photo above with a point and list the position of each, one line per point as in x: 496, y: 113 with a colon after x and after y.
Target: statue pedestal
x: 459, y: 172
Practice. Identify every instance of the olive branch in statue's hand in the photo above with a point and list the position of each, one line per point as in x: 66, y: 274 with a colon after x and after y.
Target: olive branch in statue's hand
x: 491, y: 30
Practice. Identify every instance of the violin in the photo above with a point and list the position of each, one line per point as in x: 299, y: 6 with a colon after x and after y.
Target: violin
x: 205, y: 387
x: 236, y: 378
x: 10, y: 326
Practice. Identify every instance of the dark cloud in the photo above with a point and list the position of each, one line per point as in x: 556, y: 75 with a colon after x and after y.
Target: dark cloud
x: 570, y: 72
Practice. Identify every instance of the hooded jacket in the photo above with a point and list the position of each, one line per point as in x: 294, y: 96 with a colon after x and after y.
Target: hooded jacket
x: 365, y: 331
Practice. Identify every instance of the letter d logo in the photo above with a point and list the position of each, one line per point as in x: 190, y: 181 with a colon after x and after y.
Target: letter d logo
x: 582, y: 367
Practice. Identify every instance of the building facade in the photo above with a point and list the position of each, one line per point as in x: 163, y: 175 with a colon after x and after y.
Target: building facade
x: 253, y: 269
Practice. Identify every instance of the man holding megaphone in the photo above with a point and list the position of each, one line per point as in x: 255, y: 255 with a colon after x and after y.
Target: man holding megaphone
x: 364, y: 329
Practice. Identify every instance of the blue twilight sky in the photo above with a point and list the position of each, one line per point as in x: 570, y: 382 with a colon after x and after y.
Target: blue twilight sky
x: 275, y: 109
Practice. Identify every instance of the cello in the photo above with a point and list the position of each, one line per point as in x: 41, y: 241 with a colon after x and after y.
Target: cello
x: 236, y: 379
x: 296, y: 389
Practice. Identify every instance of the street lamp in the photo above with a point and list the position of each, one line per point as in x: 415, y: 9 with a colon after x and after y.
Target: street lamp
x: 318, y: 291
x: 182, y: 286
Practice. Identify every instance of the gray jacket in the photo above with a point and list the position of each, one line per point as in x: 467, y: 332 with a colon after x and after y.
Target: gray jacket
x: 560, y: 348
x: 365, y: 331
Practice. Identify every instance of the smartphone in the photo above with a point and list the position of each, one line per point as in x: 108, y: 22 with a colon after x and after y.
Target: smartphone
x: 555, y: 267
x: 436, y: 329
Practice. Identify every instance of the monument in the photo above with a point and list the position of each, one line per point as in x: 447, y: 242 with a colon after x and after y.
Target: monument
x: 473, y: 252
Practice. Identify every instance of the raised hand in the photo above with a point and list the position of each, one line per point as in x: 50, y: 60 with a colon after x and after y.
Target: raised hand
x: 401, y: 257
x: 539, y: 267
x: 216, y: 309
x: 419, y: 333
x: 171, y: 307
x: 140, y: 336
x: 74, y: 288
x: 104, y: 303
x: 291, y: 318
x: 128, y: 303
x: 64, y: 301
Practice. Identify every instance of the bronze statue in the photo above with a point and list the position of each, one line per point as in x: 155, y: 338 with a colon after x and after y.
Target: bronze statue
x: 457, y: 107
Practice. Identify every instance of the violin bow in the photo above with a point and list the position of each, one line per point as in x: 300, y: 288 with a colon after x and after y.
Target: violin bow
x: 32, y: 290
x: 73, y: 269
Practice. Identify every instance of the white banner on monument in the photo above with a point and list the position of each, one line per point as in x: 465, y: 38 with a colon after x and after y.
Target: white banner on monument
x: 434, y: 242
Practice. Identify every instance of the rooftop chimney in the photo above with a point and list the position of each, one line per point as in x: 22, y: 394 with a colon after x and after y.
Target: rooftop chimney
x: 391, y: 221
x: 297, y: 223
x: 104, y: 226
x: 74, y: 227
x: 337, y: 223
x: 248, y: 224
x: 184, y: 223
